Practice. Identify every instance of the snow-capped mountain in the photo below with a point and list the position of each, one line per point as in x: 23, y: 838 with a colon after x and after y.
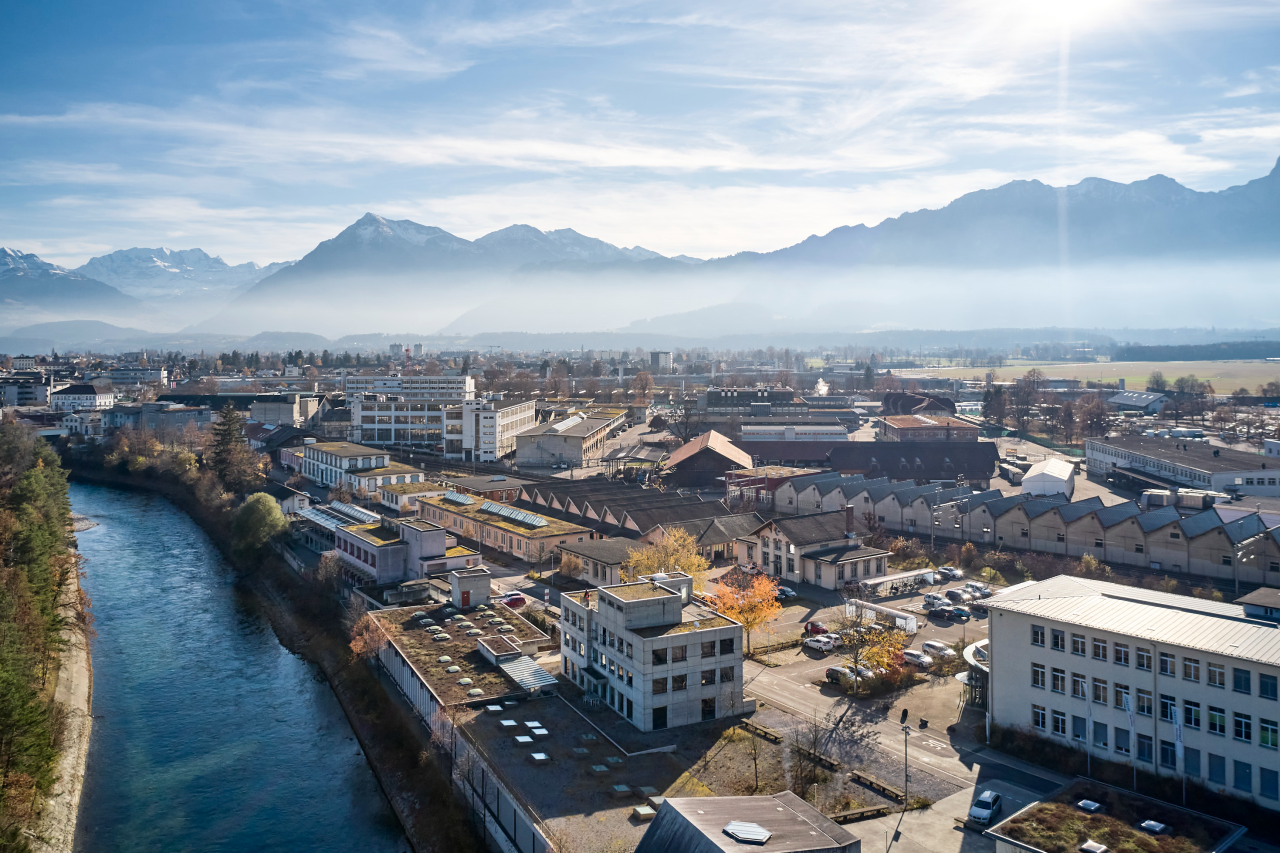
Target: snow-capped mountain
x: 523, y: 244
x: 173, y: 272
x: 29, y: 284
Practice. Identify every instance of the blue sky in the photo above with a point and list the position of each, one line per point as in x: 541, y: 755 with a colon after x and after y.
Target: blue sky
x: 255, y: 130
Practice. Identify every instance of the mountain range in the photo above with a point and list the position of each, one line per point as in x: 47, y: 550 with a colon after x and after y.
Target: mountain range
x: 1097, y: 241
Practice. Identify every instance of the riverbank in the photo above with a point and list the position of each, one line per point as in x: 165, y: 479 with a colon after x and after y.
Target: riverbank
x: 56, y: 832
x: 308, y: 623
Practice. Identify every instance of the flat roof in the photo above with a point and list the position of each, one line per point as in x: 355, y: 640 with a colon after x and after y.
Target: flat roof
x: 1188, y: 454
x: 1057, y: 825
x: 638, y: 591
x: 411, y: 637
x: 421, y: 524
x: 460, y: 551
x: 391, y: 468
x: 926, y: 422
x: 346, y: 448
x: 697, y: 825
x: 769, y: 471
x: 554, y: 527
x: 693, y: 617
x: 613, y: 552
x: 487, y: 482
x: 411, y: 488
x: 1177, y: 620
x: 375, y: 533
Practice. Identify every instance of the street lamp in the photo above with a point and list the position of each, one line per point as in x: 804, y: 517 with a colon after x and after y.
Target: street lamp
x: 906, y: 733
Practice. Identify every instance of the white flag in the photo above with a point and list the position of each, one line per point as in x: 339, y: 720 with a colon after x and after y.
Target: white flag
x: 1177, y: 732
x: 1128, y: 709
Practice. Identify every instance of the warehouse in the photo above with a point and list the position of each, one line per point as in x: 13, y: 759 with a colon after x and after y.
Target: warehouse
x: 1148, y: 461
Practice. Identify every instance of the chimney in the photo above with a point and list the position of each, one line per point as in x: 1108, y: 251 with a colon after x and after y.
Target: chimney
x: 849, y: 515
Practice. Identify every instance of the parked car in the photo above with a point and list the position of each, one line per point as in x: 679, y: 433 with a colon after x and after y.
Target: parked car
x: 951, y: 572
x: 919, y: 658
x: 961, y: 614
x: 941, y: 611
x: 985, y: 808
x: 958, y: 596
x: 836, y: 673
x: 978, y: 607
x: 815, y: 628
x: 513, y: 600
x: 821, y: 643
x: 978, y: 589
x: 937, y: 648
x: 934, y: 598
x: 785, y: 592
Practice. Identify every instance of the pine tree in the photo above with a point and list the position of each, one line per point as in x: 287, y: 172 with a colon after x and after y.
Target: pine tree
x: 229, y: 455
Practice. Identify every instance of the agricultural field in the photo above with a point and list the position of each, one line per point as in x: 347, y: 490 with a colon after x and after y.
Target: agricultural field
x: 1225, y: 376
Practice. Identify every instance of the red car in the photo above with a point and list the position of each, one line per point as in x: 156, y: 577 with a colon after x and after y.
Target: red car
x: 814, y: 629
x: 514, y: 601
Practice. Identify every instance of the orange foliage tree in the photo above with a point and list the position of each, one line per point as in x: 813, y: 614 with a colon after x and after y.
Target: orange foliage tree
x: 752, y: 603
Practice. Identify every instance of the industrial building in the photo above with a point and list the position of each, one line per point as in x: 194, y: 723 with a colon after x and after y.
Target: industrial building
x: 1150, y: 461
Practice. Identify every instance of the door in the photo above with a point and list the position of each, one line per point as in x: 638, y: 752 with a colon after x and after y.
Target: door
x: 466, y: 598
x: 660, y: 718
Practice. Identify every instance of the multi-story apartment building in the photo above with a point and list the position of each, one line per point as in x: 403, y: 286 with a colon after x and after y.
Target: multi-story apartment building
x: 360, y: 467
x: 138, y: 375
x: 660, y: 362
x: 1182, y: 462
x: 24, y: 362
x: 28, y: 390
x: 76, y: 398
x: 488, y: 428
x: 1071, y: 658
x: 436, y: 389
x: 652, y: 653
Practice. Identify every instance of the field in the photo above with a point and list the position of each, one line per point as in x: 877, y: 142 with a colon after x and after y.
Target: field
x: 1225, y: 376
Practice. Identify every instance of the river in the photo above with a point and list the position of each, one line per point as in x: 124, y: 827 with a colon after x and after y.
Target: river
x: 208, y: 734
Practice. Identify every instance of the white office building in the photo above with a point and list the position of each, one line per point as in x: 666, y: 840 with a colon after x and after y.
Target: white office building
x: 437, y: 389
x: 1182, y: 462
x: 77, y: 398
x: 487, y: 429
x: 652, y: 654
x: 1069, y: 656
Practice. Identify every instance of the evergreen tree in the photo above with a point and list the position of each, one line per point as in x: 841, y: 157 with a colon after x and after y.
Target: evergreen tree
x: 229, y: 455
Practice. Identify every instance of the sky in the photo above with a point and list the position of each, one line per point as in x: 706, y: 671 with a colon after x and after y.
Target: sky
x: 254, y: 130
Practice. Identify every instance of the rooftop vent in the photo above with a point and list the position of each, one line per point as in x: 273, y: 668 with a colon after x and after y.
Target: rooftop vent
x: 750, y: 833
x: 1089, y: 806
x: 1154, y: 827
x: 1092, y: 846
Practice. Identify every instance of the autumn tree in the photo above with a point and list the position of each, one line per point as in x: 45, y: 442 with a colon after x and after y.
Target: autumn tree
x: 1156, y: 382
x: 329, y: 571
x: 570, y: 565
x: 675, y: 552
x: 642, y: 384
x: 340, y: 492
x: 367, y: 637
x: 1067, y: 421
x: 752, y: 604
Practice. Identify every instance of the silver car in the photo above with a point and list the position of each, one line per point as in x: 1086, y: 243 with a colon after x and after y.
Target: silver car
x: 985, y: 808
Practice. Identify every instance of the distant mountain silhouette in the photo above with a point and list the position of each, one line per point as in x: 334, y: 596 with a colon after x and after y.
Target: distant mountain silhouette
x: 27, y: 282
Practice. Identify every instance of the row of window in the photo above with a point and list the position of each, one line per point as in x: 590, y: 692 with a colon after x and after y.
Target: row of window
x: 1055, y: 722
x: 728, y: 675
x: 1144, y: 705
x: 681, y: 653
x: 1215, y: 673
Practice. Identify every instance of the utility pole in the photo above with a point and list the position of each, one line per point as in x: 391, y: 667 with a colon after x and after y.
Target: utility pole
x: 906, y: 733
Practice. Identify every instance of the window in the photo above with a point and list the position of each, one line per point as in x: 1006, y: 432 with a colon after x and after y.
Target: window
x: 679, y: 682
x: 1226, y: 561
x: 1121, y: 693
x: 709, y: 649
x: 1037, y: 675
x: 1217, y: 769
x: 1100, y: 691
x: 1217, y: 721
x: 708, y: 677
x: 659, y: 657
x: 1243, y: 780
x: 1191, y: 715
x: 1098, y: 543
x: 1145, y: 748
x: 1078, y: 689
x: 728, y: 674
x: 1144, y: 703
x: 1267, y: 686
x: 1137, y: 548
x: 1190, y: 669
x: 1059, y: 641
x: 1243, y: 727
x: 1241, y: 681
x: 1121, y: 654
x: 679, y: 654
x: 1077, y: 644
x: 1269, y: 783
x: 1100, y: 734
x: 726, y: 646
x: 629, y: 654
x: 1267, y: 733
x: 1168, y: 754
x: 1059, y: 681
x: 1144, y: 659
x: 1167, y: 706
x: 1037, y: 635
x: 1079, y: 726
x: 1168, y: 664
x: 1122, y: 741
x: 659, y: 686
x: 1099, y: 649
x: 1059, y: 723
x: 1217, y: 675
x: 1190, y: 761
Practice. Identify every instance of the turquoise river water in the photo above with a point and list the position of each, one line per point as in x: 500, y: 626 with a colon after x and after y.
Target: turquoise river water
x: 209, y: 735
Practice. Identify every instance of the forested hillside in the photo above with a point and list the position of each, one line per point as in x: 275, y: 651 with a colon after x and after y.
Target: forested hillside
x: 36, y: 569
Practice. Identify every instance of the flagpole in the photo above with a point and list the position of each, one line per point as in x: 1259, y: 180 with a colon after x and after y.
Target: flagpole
x: 1133, y: 737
